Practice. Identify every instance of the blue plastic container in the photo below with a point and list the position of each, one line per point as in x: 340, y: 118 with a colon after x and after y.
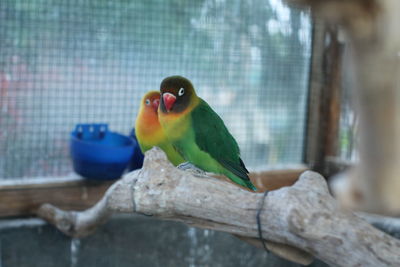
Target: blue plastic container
x: 99, y: 154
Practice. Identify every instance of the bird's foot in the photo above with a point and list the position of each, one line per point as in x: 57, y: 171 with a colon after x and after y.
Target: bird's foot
x: 187, y: 166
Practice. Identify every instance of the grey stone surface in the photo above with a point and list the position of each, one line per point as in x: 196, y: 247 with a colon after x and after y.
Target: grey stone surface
x: 130, y: 241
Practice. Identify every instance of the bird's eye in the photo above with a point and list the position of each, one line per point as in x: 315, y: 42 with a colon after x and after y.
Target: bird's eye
x: 181, y: 91
x: 147, y: 102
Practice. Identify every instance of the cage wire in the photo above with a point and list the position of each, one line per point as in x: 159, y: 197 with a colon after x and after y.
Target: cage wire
x: 69, y: 62
x: 348, y: 123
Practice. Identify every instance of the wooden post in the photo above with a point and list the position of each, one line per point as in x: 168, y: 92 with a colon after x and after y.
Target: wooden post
x: 324, y: 98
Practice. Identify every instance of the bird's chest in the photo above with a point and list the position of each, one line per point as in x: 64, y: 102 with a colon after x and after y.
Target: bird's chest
x: 176, y: 128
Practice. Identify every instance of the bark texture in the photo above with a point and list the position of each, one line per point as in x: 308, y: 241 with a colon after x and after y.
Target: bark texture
x: 300, y: 219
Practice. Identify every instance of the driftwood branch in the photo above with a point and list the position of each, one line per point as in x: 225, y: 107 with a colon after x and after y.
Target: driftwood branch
x: 300, y: 219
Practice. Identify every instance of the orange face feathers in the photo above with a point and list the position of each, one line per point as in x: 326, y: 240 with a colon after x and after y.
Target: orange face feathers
x: 147, y: 120
x: 148, y: 129
x: 150, y: 101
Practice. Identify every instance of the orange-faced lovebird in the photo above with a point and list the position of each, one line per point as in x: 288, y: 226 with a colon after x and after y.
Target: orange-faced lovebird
x: 149, y: 131
x: 198, y: 133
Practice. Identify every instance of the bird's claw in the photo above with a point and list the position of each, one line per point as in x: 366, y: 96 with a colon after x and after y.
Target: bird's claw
x: 187, y: 166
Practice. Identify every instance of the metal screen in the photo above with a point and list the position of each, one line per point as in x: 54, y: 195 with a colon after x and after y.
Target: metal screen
x: 68, y: 62
x: 348, y: 124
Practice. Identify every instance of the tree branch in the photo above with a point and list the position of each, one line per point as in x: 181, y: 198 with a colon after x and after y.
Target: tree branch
x: 304, y: 216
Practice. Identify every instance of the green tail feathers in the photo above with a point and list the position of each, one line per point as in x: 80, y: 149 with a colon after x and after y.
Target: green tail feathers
x: 250, y: 185
x: 241, y: 181
x: 245, y: 183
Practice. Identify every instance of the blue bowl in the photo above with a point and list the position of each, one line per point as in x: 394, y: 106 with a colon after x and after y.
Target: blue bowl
x: 99, y: 154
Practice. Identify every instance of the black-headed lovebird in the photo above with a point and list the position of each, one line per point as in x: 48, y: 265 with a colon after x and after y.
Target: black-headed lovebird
x: 198, y: 133
x: 149, y: 131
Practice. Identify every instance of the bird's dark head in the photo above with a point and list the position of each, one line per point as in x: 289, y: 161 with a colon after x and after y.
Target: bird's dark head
x: 177, y: 93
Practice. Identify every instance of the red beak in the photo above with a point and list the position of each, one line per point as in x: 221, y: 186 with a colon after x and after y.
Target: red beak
x: 169, y: 100
x: 156, y: 103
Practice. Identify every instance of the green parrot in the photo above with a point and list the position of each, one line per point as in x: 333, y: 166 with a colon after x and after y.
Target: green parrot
x: 198, y: 133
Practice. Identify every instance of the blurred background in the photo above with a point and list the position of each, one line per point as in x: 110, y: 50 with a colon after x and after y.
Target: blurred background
x: 86, y: 61
x: 69, y: 62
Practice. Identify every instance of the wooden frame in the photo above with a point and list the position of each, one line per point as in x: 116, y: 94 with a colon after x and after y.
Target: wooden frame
x: 22, y: 198
x: 324, y: 100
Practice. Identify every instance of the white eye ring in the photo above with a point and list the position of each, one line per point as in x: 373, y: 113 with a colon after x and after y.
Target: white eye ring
x: 181, y: 91
x: 147, y: 102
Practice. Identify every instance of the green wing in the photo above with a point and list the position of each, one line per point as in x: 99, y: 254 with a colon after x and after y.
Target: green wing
x: 213, y: 137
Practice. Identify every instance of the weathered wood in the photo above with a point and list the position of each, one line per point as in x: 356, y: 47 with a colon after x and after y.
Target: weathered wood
x: 303, y: 216
x: 275, y: 179
x: 24, y: 198
x: 314, y: 127
x: 333, y: 74
x: 324, y: 97
x: 372, y: 30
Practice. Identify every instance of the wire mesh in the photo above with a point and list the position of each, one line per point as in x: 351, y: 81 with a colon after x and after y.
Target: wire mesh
x: 68, y: 62
x: 348, y: 124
